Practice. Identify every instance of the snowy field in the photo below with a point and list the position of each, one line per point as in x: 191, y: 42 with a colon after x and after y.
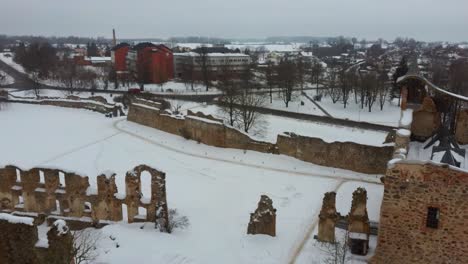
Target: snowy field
x: 215, y: 188
x: 294, y: 106
x: 389, y: 116
x: 7, y: 57
x: 273, y: 125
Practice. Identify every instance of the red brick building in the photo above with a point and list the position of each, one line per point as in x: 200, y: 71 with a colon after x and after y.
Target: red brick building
x: 119, y: 57
x: 150, y: 63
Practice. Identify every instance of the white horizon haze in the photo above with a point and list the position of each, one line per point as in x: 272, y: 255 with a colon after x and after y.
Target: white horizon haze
x: 427, y: 20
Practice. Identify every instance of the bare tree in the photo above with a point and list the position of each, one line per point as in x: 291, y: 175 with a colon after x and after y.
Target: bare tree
x: 316, y: 73
x: 177, y: 221
x: 270, y: 76
x: 334, y: 91
x: 230, y: 89
x: 302, y: 67
x: 383, y: 88
x: 249, y: 117
x: 344, y: 81
x: 188, y: 73
x: 336, y: 253
x: 204, y: 63
x: 85, y: 246
x: 369, y: 84
x: 287, y: 78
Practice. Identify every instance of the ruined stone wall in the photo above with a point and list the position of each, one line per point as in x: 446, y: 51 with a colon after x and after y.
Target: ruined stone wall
x: 100, y: 105
x: 209, y: 132
x: 426, y: 120
x: 347, y: 155
x: 410, y: 188
x: 461, y: 134
x: 19, y: 242
x: 40, y: 191
x: 343, y: 155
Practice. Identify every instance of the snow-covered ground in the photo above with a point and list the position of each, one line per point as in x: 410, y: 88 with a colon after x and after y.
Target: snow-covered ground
x: 5, y: 79
x: 294, y: 106
x: 215, y: 188
x: 173, y: 87
x: 7, y: 57
x: 274, y: 125
x: 390, y: 115
x: 61, y: 94
x: 417, y: 152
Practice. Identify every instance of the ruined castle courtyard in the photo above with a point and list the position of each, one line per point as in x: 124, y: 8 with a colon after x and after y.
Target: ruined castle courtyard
x: 215, y: 188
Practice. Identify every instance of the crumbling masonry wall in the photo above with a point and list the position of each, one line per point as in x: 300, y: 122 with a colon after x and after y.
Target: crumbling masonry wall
x: 343, y: 155
x: 327, y: 218
x: 205, y: 129
x: 202, y: 129
x: 410, y: 188
x: 40, y: 191
x: 461, y: 133
x: 19, y: 242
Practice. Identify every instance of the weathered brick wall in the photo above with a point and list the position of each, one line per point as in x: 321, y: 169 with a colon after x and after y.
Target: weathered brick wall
x: 403, y: 236
x: 461, y: 133
x: 343, y: 155
x: 426, y: 120
x: 17, y: 242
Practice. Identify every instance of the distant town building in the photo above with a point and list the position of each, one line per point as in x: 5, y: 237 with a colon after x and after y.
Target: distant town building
x: 214, y: 62
x: 150, y: 63
x: 119, y: 58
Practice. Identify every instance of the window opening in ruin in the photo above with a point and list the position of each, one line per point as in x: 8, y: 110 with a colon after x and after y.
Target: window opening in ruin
x: 18, y: 175
x: 62, y: 179
x: 20, y: 202
x: 124, y: 213
x: 141, y: 211
x: 87, y: 207
x: 145, y: 178
x: 41, y: 177
x: 57, y: 207
x: 432, y: 220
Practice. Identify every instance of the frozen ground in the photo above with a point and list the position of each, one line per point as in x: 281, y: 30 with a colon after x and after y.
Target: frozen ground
x: 390, y: 115
x: 7, y: 57
x: 273, y: 125
x: 173, y: 87
x: 5, y: 79
x: 294, y: 106
x: 215, y: 188
x: 417, y: 152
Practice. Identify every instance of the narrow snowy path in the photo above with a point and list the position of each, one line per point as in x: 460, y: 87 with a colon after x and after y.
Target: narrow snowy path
x: 296, y: 251
x: 335, y: 176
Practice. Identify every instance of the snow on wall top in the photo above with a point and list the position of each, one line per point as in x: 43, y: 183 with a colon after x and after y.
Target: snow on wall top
x: 17, y: 219
x: 433, y: 86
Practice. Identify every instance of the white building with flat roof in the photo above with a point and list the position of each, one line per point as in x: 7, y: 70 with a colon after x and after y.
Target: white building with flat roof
x: 214, y: 61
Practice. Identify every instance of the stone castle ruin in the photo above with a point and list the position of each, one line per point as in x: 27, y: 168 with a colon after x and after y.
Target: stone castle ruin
x: 56, y: 194
x: 356, y: 222
x: 19, y: 242
x: 263, y: 220
x: 423, y: 217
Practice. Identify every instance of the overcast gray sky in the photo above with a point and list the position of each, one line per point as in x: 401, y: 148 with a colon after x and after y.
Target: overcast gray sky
x: 370, y: 19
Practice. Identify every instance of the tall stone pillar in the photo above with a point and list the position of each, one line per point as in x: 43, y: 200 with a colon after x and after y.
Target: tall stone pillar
x: 358, y: 219
x: 263, y: 220
x: 327, y: 218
